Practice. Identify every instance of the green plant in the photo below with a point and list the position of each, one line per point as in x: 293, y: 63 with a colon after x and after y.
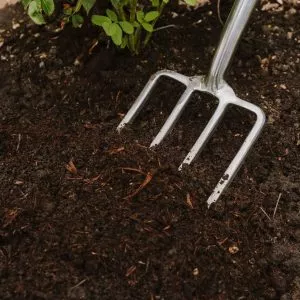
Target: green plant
x: 37, y: 9
x: 129, y: 23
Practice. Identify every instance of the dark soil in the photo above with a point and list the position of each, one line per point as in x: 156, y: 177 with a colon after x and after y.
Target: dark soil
x: 74, y: 222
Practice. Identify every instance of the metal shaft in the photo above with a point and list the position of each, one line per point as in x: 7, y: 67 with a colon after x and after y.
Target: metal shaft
x: 233, y: 29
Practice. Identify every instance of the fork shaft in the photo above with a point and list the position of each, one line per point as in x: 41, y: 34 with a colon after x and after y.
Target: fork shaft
x: 235, y: 24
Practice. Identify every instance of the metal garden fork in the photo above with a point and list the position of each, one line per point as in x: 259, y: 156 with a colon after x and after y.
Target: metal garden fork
x: 215, y: 85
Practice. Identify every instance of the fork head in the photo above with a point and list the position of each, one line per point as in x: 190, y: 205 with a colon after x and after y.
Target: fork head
x: 226, y: 97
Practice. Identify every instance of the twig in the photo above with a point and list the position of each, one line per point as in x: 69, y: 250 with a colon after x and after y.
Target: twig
x: 166, y: 27
x: 78, y: 284
x: 148, y: 178
x: 265, y: 213
x: 219, y: 13
x: 133, y: 170
x: 275, y: 209
x: 19, y: 141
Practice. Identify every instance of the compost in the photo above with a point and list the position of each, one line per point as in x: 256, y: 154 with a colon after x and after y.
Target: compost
x: 87, y: 213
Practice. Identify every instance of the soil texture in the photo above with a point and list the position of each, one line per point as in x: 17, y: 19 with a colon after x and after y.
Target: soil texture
x: 87, y: 213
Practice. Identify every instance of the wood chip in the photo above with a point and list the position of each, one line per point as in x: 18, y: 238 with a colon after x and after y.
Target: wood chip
x: 189, y: 201
x: 130, y: 271
x: 71, y: 168
x: 148, y: 178
x: 115, y: 151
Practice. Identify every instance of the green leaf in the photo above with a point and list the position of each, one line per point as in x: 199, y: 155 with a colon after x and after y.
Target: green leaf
x: 78, y: 6
x: 26, y: 3
x: 106, y: 26
x: 77, y: 20
x: 115, y: 3
x: 112, y: 15
x: 124, y: 42
x: 136, y: 24
x: 191, y: 2
x: 34, y: 12
x: 68, y: 11
x: 88, y: 4
x: 117, y: 36
x: 48, y: 6
x: 110, y: 28
x: 155, y: 3
x: 148, y: 27
x: 127, y: 27
x: 99, y: 20
x: 140, y: 16
x: 151, y: 15
x: 167, y: 1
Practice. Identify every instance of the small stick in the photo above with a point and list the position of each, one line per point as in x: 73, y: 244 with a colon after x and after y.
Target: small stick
x: 275, y: 209
x: 218, y: 12
x: 78, y: 284
x: 133, y: 170
x: 19, y: 141
x: 265, y: 213
x: 166, y: 27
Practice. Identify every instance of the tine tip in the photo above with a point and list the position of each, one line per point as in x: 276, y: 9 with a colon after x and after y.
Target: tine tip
x: 120, y: 127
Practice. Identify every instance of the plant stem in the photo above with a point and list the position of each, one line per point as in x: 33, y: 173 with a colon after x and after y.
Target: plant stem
x: 132, y: 40
x: 149, y: 34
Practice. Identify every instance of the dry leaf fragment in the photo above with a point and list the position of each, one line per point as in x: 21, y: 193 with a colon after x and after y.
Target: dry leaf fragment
x: 114, y: 151
x: 94, y: 44
x: 133, y: 170
x: 10, y: 215
x: 233, y: 249
x: 189, y: 201
x: 148, y: 178
x: 71, y: 167
x: 92, y: 180
x: 89, y: 126
x: 130, y: 271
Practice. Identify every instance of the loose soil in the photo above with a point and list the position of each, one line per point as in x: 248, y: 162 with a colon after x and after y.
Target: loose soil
x: 87, y: 213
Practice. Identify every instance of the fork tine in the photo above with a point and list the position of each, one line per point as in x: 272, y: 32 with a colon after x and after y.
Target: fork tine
x: 145, y: 93
x: 206, y: 133
x: 174, y: 116
x: 242, y: 153
x: 140, y: 101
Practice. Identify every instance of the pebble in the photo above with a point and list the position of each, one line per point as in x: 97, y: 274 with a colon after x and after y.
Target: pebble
x: 15, y: 26
x: 172, y: 251
x: 297, y: 235
x: 42, y: 65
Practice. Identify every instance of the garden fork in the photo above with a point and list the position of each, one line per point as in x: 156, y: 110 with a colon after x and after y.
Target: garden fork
x: 215, y: 85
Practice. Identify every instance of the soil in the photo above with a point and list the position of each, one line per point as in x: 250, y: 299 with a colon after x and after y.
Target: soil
x: 87, y: 213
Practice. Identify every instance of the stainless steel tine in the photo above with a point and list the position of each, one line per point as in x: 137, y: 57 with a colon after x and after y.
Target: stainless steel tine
x: 174, y: 116
x: 242, y: 153
x: 205, y: 135
x: 145, y: 93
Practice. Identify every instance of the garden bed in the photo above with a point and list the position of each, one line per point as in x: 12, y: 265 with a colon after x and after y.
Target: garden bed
x: 87, y: 213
